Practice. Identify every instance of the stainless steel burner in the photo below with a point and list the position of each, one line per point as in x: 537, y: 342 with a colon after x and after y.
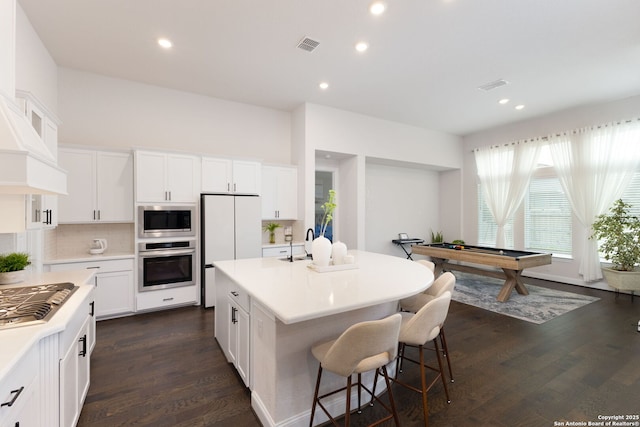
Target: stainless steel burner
x: 29, y: 305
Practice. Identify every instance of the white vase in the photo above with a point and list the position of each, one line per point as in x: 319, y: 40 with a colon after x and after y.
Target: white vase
x: 338, y: 252
x: 11, y: 277
x: 321, y: 251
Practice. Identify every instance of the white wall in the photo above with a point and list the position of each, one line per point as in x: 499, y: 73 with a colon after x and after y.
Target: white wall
x: 36, y: 71
x: 399, y: 200
x: 115, y: 113
x: 363, y: 140
x: 561, y: 269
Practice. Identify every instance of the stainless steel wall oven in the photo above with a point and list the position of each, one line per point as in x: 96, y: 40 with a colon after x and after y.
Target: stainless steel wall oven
x: 166, y: 264
x: 166, y: 221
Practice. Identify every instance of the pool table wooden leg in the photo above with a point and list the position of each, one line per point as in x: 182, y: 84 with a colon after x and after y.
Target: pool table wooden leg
x: 513, y: 281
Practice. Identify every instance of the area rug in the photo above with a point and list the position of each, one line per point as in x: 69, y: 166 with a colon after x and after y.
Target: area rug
x: 539, y: 306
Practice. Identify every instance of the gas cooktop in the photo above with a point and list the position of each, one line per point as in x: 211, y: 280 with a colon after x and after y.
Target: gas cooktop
x: 31, y: 305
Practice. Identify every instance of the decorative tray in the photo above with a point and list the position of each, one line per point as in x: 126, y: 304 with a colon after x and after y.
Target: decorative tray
x: 332, y: 267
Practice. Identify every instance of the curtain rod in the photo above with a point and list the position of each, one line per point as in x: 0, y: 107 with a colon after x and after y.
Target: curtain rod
x: 573, y: 132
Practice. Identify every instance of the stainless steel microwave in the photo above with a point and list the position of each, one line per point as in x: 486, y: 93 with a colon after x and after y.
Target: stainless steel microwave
x: 166, y: 221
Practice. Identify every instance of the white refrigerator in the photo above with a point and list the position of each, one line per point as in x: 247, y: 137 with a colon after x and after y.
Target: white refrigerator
x: 231, y: 228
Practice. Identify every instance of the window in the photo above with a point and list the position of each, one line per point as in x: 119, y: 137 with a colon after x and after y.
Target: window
x: 632, y: 194
x: 547, y: 217
x: 487, y: 227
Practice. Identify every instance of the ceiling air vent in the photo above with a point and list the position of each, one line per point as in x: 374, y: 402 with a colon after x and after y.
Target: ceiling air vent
x: 308, y: 44
x: 494, y: 84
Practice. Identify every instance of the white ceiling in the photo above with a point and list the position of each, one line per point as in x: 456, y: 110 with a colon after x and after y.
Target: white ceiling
x: 424, y: 65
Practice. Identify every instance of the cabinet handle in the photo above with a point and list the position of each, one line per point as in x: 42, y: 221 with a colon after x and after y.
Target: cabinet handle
x: 91, y: 268
x: 98, y: 214
x: 169, y: 195
x: 48, y: 216
x: 83, y: 340
x: 228, y: 186
x: 234, y: 293
x: 167, y: 299
x: 15, y: 397
x: 94, y: 214
x: 233, y: 315
x: 93, y: 308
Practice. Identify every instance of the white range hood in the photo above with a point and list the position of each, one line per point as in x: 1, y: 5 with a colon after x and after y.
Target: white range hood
x: 26, y: 164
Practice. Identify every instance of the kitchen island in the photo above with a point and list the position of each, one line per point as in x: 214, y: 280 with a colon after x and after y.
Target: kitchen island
x: 270, y: 312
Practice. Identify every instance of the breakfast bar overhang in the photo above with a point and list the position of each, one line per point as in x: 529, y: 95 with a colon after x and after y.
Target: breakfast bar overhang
x: 269, y: 313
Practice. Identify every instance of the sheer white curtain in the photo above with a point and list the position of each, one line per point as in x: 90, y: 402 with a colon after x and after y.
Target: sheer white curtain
x: 594, y: 167
x: 504, y: 173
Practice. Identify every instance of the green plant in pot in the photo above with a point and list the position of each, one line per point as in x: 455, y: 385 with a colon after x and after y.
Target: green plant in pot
x: 12, y: 267
x: 271, y: 228
x: 618, y: 236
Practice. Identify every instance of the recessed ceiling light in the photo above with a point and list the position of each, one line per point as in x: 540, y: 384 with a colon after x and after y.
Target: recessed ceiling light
x: 503, y: 101
x: 519, y: 107
x: 377, y: 8
x: 361, y: 46
x: 324, y: 85
x: 165, y: 43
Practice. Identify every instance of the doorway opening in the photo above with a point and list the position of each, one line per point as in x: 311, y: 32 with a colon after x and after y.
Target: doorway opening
x: 324, y: 183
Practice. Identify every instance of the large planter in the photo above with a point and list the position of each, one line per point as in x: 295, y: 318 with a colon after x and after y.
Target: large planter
x: 622, y: 280
x: 11, y: 277
x: 321, y: 251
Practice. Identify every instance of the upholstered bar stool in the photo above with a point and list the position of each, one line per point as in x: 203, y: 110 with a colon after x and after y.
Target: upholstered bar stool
x: 431, y: 266
x: 445, y: 282
x: 363, y: 347
x: 417, y: 330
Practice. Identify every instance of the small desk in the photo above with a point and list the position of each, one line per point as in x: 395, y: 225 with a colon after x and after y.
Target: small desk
x: 402, y: 242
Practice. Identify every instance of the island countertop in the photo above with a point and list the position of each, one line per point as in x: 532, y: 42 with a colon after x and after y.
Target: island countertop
x: 295, y: 293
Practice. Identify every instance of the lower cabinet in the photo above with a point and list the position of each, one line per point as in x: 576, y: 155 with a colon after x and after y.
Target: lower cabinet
x: 232, y: 326
x: 115, y: 286
x: 239, y: 339
x: 283, y: 250
x: 19, y: 393
x: 75, y: 345
x: 165, y: 298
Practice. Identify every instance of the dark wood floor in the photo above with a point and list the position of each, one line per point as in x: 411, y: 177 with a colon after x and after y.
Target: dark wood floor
x: 165, y: 369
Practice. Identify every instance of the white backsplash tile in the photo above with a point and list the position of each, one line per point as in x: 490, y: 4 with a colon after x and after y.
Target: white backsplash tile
x: 74, y: 240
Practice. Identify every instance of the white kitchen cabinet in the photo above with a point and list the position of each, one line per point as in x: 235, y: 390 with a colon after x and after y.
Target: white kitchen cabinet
x: 19, y: 392
x: 232, y: 324
x: 279, y: 192
x: 166, y: 177
x: 283, y: 250
x: 41, y: 118
x: 74, y: 366
x: 230, y: 176
x: 100, y: 186
x: 115, y: 286
x: 41, y: 211
x: 238, y: 324
x: 166, y: 298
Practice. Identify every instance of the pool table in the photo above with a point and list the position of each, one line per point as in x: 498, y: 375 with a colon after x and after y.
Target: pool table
x: 512, y: 263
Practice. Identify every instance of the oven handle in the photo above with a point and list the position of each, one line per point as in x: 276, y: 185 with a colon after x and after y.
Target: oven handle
x: 168, y: 252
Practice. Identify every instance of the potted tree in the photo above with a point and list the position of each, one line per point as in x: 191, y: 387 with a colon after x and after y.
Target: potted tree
x: 618, y: 235
x: 12, y: 267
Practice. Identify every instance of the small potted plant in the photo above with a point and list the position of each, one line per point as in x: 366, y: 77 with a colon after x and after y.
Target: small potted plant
x: 12, y: 267
x: 271, y: 228
x: 618, y: 236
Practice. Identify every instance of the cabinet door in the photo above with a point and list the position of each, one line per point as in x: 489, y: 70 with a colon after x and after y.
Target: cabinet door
x: 79, y: 204
x: 279, y: 192
x: 114, y: 186
x: 181, y: 173
x: 150, y: 176
x: 84, y: 346
x: 232, y: 322
x: 69, y: 410
x: 242, y: 354
x: 216, y: 175
x: 114, y: 293
x: 246, y: 177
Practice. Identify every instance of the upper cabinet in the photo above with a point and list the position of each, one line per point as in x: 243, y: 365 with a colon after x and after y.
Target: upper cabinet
x: 100, y: 186
x: 230, y: 176
x: 166, y: 177
x: 279, y: 192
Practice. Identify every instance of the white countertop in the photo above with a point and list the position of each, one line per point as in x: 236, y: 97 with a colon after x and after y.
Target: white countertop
x: 15, y: 342
x: 107, y: 256
x: 294, y: 293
